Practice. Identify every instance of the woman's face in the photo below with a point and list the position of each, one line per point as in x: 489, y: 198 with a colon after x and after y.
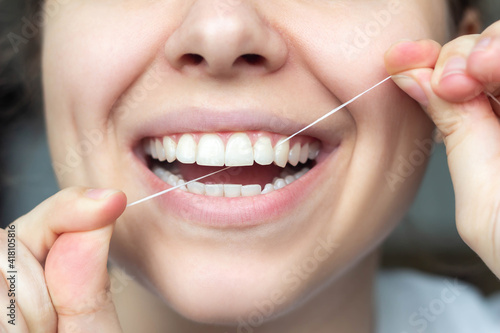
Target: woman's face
x: 119, y: 75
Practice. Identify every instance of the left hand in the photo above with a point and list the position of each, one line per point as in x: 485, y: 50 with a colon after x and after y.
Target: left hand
x: 449, y: 82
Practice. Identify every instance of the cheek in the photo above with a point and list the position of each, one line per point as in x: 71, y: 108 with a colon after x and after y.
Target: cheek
x: 91, y: 54
x: 88, y: 54
x: 88, y: 61
x: 343, y: 44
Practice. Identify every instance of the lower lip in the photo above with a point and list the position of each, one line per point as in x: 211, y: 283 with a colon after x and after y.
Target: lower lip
x: 240, y: 212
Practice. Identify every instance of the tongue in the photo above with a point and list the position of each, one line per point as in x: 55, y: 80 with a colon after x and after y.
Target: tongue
x: 248, y: 175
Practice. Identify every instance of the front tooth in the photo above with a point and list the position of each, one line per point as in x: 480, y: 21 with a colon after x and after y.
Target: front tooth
x: 210, y: 150
x: 170, y: 147
x: 313, y: 150
x: 160, y: 151
x: 196, y: 188
x: 239, y: 150
x: 281, y: 153
x: 186, y: 149
x: 279, y: 183
x: 294, y: 154
x: 214, y: 190
x: 304, y: 153
x: 263, y: 151
x: 232, y: 191
x: 268, y: 189
x: 250, y: 190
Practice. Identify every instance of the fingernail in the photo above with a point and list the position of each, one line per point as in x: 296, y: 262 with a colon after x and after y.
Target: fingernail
x: 454, y: 66
x: 412, y: 88
x: 100, y: 193
x: 482, y: 45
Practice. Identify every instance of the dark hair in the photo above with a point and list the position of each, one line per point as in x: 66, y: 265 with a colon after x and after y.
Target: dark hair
x: 19, y: 60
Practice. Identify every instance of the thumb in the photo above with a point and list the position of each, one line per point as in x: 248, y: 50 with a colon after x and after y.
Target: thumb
x: 78, y: 282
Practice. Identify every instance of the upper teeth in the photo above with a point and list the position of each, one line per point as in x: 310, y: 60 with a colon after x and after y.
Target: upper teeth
x: 238, y: 151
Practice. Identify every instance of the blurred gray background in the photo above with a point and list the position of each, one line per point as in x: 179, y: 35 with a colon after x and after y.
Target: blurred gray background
x: 429, y: 226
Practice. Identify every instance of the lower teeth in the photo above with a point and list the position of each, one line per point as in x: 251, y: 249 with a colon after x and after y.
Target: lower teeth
x: 229, y: 190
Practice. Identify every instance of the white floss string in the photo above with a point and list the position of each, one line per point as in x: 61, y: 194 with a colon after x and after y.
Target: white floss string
x: 490, y: 95
x: 175, y: 187
x: 280, y: 142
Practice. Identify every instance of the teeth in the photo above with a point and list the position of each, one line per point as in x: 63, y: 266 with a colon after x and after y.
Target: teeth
x: 214, y: 190
x: 182, y: 182
x: 289, y: 179
x: 232, y: 191
x: 294, y: 154
x: 263, y: 151
x: 281, y: 153
x: 152, y: 148
x: 159, y: 172
x: 186, y: 149
x: 172, y: 180
x: 228, y: 190
x: 313, y: 150
x: 279, y: 183
x: 304, y: 153
x: 250, y: 190
x: 196, y: 188
x: 160, y: 151
x: 170, y: 147
x: 268, y: 189
x: 239, y: 150
x: 210, y: 150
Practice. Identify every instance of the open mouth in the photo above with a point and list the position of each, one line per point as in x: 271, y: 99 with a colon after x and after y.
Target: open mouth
x: 261, y: 163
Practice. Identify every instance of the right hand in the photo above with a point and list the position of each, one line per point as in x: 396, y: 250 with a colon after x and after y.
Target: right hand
x: 62, y: 282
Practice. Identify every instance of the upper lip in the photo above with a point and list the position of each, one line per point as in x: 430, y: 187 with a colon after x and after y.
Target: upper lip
x: 196, y: 120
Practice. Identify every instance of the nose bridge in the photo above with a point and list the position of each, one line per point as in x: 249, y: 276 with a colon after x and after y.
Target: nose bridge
x: 222, y: 32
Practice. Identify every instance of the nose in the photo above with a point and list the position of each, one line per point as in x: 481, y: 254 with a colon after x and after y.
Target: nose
x: 223, y: 39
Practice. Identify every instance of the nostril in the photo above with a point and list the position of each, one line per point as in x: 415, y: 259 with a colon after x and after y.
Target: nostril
x: 191, y: 59
x: 195, y: 59
x: 253, y: 59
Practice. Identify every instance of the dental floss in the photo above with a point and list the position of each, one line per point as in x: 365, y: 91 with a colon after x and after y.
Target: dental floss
x: 335, y: 110
x: 175, y: 187
x: 490, y: 95
x: 280, y: 142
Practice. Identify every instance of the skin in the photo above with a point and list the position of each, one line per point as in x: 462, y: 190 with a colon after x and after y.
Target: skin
x: 88, y: 80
